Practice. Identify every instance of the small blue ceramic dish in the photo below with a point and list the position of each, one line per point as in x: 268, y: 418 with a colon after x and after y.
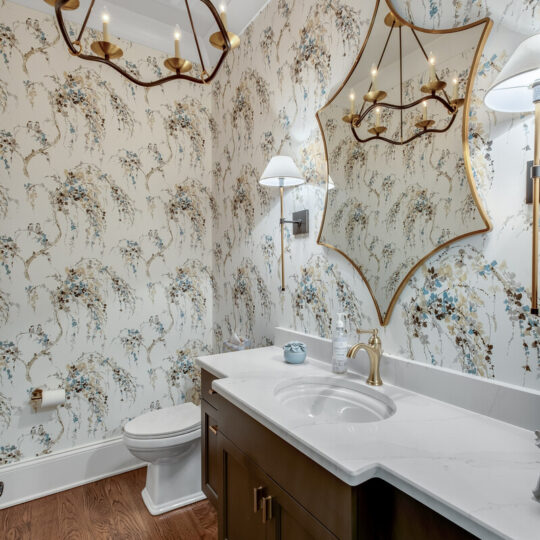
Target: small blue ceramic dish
x: 294, y: 352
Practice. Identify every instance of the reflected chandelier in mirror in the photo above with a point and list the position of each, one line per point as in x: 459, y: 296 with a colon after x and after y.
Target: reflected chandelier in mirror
x: 400, y: 162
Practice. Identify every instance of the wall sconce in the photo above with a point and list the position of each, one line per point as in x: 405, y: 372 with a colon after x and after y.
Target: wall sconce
x: 282, y: 172
x: 516, y: 90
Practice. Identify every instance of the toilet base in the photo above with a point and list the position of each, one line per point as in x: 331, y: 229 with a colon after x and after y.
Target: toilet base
x: 156, y: 510
x: 174, y: 479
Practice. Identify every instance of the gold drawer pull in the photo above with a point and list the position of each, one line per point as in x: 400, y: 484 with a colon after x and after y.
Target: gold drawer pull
x: 256, y: 492
x: 211, y: 391
x: 267, y: 509
x: 213, y: 429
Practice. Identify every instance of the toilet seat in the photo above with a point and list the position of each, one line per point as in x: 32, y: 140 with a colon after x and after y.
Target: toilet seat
x: 182, y: 422
x: 160, y: 443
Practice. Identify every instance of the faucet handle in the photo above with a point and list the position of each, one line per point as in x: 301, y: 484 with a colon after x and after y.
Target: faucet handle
x: 374, y: 339
x: 373, y: 331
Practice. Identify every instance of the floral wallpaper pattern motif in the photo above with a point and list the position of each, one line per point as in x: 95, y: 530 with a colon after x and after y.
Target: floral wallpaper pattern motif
x: 468, y: 307
x: 106, y: 216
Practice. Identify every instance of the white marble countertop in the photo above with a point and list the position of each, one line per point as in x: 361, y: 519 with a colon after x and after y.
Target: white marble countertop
x: 477, y: 471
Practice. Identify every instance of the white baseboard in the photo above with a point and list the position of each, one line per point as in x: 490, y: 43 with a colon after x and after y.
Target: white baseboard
x: 38, y: 477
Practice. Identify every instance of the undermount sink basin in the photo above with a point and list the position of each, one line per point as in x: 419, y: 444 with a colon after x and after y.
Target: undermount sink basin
x: 333, y: 400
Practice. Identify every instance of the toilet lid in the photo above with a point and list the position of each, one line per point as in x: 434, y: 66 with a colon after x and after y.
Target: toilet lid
x: 165, y: 422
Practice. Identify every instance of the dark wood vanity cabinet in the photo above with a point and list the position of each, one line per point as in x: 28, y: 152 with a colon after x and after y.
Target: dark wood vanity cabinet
x: 264, y: 488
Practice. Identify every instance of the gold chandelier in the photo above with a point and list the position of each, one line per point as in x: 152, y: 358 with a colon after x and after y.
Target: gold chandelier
x: 106, y: 50
x: 373, y: 99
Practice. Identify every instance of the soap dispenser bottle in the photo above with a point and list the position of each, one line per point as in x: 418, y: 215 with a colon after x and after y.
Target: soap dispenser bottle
x: 340, y: 345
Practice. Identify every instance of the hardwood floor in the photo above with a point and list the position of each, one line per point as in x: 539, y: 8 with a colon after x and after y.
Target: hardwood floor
x: 108, y: 509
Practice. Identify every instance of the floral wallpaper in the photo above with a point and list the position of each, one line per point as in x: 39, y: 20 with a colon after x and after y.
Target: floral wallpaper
x: 468, y: 307
x: 106, y: 258
x: 134, y: 235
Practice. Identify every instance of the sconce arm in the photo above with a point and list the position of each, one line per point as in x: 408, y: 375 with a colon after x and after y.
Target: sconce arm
x: 283, y: 220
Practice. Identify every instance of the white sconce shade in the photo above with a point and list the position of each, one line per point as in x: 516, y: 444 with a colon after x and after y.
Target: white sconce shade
x: 281, y: 172
x: 331, y: 184
x: 512, y: 91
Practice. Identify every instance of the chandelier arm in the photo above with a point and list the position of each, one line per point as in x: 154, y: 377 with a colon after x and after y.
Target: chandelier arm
x: 401, y: 143
x: 384, y: 105
x: 384, y: 48
x: 60, y: 19
x: 146, y: 84
x: 83, y: 27
x: 361, y: 113
x: 195, y: 36
x: 217, y: 66
x: 420, y: 44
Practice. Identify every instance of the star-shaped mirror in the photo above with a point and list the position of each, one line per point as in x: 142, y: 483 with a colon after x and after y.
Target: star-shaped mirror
x: 396, y: 142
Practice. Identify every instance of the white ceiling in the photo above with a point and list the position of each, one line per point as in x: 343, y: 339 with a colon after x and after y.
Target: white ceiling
x: 151, y: 22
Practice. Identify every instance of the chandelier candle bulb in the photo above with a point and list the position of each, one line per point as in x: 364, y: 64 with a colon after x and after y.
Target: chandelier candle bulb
x: 105, y: 19
x: 455, y: 88
x: 223, y: 15
x: 424, y: 103
x: 378, y: 117
x: 374, y: 73
x: 351, y: 98
x: 177, y: 35
x: 432, y: 74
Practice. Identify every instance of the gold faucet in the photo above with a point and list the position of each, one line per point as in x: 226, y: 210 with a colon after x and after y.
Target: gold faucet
x: 374, y: 349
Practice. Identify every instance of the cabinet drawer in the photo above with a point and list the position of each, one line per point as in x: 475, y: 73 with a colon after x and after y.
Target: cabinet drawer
x: 209, y: 395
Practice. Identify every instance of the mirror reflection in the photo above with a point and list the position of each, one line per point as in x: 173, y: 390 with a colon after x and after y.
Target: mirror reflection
x: 397, y: 151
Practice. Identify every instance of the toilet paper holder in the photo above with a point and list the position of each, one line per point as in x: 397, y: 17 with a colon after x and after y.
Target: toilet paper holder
x: 47, y: 398
x: 36, y: 397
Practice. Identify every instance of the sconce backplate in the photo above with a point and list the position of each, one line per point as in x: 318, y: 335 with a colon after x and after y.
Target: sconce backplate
x: 303, y: 227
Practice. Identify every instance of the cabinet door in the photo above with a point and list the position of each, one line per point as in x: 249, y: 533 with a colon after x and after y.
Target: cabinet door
x: 239, y: 514
x: 287, y: 519
x: 252, y: 506
x: 210, y: 455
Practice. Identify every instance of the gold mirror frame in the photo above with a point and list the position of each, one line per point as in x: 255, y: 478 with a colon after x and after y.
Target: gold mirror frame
x: 488, y: 23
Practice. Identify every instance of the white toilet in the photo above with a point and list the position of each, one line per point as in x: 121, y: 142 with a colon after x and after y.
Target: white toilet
x: 170, y: 441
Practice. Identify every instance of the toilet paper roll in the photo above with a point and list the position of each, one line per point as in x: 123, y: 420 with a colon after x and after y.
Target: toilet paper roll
x: 51, y: 398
